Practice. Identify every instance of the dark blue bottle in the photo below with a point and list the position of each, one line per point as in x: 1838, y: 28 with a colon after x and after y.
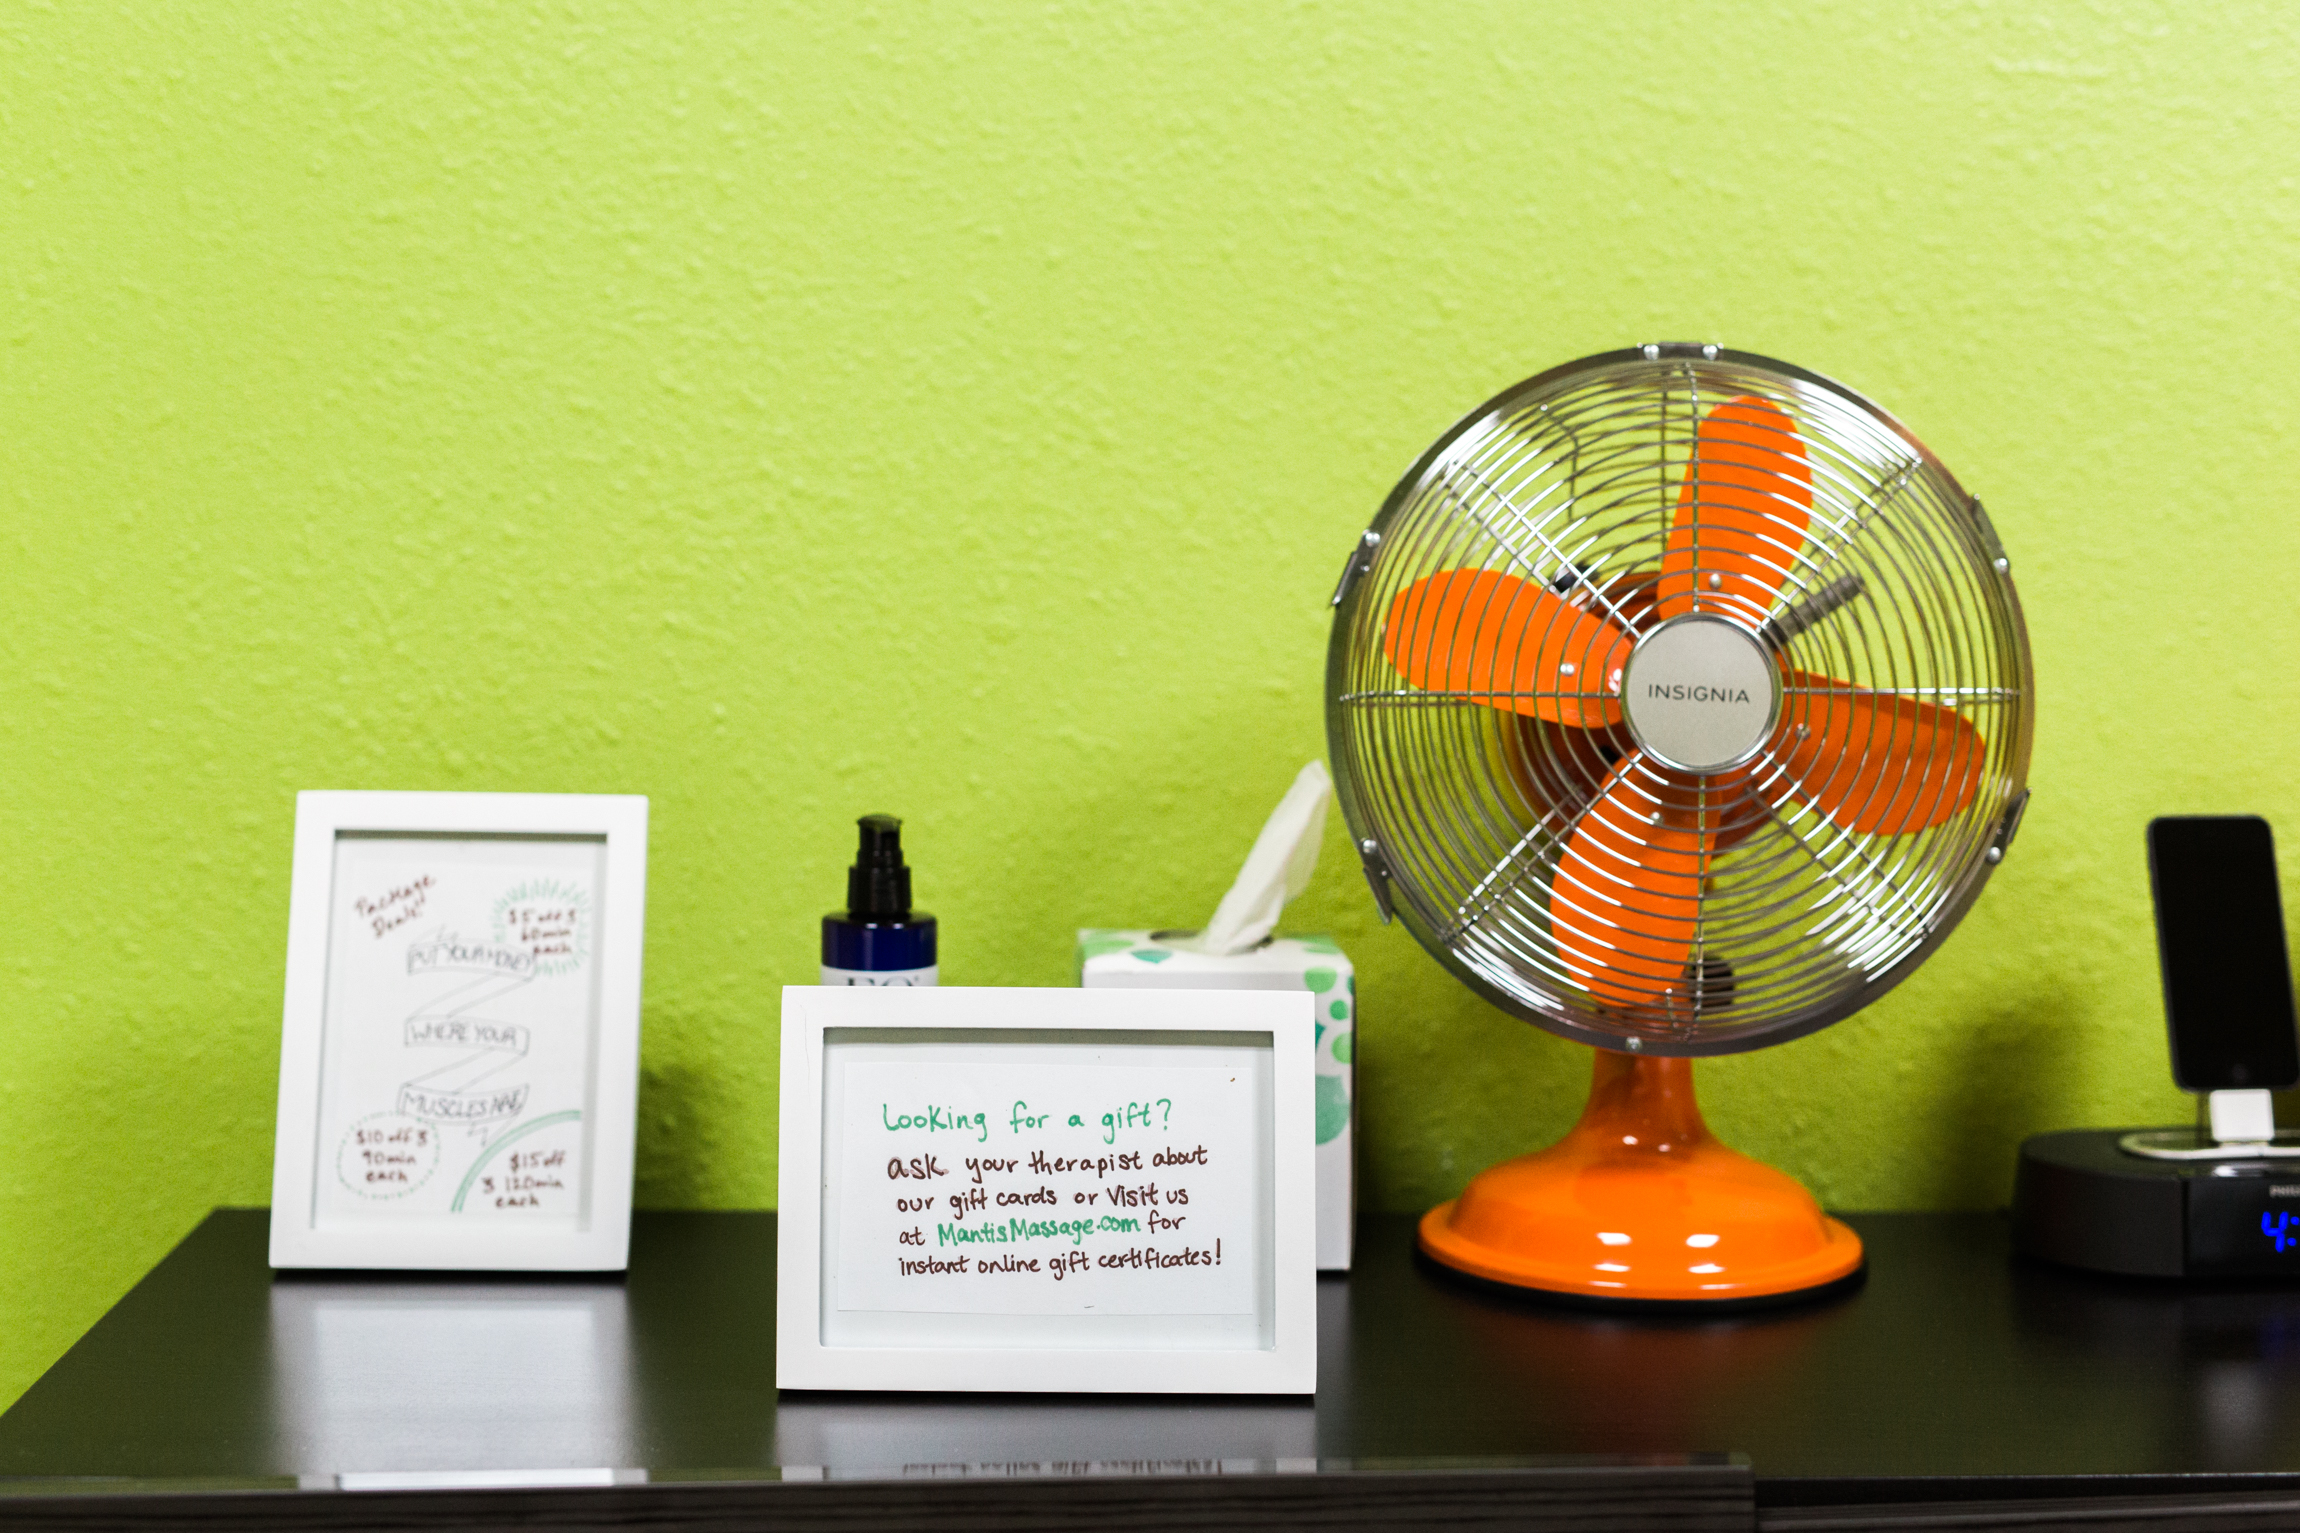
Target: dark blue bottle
x: 878, y: 939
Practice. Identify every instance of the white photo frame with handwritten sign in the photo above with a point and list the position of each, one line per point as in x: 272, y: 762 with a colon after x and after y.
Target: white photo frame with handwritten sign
x: 459, y: 1060
x: 1083, y: 1191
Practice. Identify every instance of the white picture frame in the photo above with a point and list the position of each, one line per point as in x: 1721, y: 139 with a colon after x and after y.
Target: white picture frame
x: 459, y: 1048
x: 1242, y: 1061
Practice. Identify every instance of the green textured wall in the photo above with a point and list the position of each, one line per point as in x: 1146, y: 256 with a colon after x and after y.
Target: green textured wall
x: 962, y: 409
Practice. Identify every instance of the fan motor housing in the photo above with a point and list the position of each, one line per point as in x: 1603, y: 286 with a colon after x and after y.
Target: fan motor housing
x: 1700, y: 693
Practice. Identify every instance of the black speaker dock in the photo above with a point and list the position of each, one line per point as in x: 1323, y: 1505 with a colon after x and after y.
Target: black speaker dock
x: 2080, y: 1200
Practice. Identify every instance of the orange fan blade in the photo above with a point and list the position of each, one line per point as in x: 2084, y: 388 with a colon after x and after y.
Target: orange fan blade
x: 1741, y: 515
x: 1872, y: 761
x: 1510, y: 643
x: 1628, y: 892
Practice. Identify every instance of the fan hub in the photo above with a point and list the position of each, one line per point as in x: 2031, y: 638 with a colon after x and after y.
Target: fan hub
x: 1701, y: 693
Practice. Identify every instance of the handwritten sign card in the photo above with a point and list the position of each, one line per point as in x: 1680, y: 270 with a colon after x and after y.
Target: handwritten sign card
x: 461, y: 1018
x: 1104, y: 1175
x: 461, y: 1029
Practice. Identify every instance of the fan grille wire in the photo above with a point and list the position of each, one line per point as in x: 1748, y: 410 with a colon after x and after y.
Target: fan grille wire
x: 1572, y: 480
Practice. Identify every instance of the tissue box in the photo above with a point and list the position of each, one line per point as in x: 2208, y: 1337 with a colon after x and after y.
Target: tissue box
x: 1136, y: 960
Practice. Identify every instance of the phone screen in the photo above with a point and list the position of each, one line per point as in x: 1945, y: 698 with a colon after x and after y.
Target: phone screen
x: 2220, y: 940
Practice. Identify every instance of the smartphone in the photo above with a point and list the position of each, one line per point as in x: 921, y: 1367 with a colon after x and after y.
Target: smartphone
x: 2220, y: 944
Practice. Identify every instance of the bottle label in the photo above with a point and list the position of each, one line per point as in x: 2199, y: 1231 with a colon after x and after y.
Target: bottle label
x: 923, y: 976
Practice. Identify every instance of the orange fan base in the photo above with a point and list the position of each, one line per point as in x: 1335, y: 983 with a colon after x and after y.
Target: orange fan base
x: 1640, y: 1201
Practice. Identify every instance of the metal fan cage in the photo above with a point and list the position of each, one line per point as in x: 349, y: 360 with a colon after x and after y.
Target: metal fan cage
x: 1461, y: 809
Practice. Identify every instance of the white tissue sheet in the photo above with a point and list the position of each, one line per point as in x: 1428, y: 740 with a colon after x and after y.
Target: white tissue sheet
x: 1285, y: 854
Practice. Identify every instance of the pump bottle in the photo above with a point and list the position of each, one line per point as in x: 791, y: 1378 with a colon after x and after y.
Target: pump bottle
x: 878, y: 939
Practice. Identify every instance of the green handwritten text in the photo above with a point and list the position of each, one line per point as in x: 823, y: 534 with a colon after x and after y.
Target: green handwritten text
x: 1015, y: 1230
x: 935, y: 1120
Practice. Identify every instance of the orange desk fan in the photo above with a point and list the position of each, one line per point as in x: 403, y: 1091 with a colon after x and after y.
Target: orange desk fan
x: 1679, y: 702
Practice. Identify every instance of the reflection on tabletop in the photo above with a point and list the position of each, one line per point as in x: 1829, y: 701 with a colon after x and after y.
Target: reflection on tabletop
x: 372, y: 1375
x: 958, y: 1438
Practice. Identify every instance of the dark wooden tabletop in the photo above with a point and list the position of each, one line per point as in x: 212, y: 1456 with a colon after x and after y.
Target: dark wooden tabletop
x: 1955, y: 1373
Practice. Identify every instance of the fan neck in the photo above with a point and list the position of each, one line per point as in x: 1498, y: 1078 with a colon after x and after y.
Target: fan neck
x: 1643, y: 1102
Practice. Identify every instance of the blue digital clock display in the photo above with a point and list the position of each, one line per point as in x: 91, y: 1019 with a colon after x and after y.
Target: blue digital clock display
x: 2243, y: 1225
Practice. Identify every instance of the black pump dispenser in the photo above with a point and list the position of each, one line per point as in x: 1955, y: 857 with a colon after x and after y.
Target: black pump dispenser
x: 878, y: 885
x: 878, y: 939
